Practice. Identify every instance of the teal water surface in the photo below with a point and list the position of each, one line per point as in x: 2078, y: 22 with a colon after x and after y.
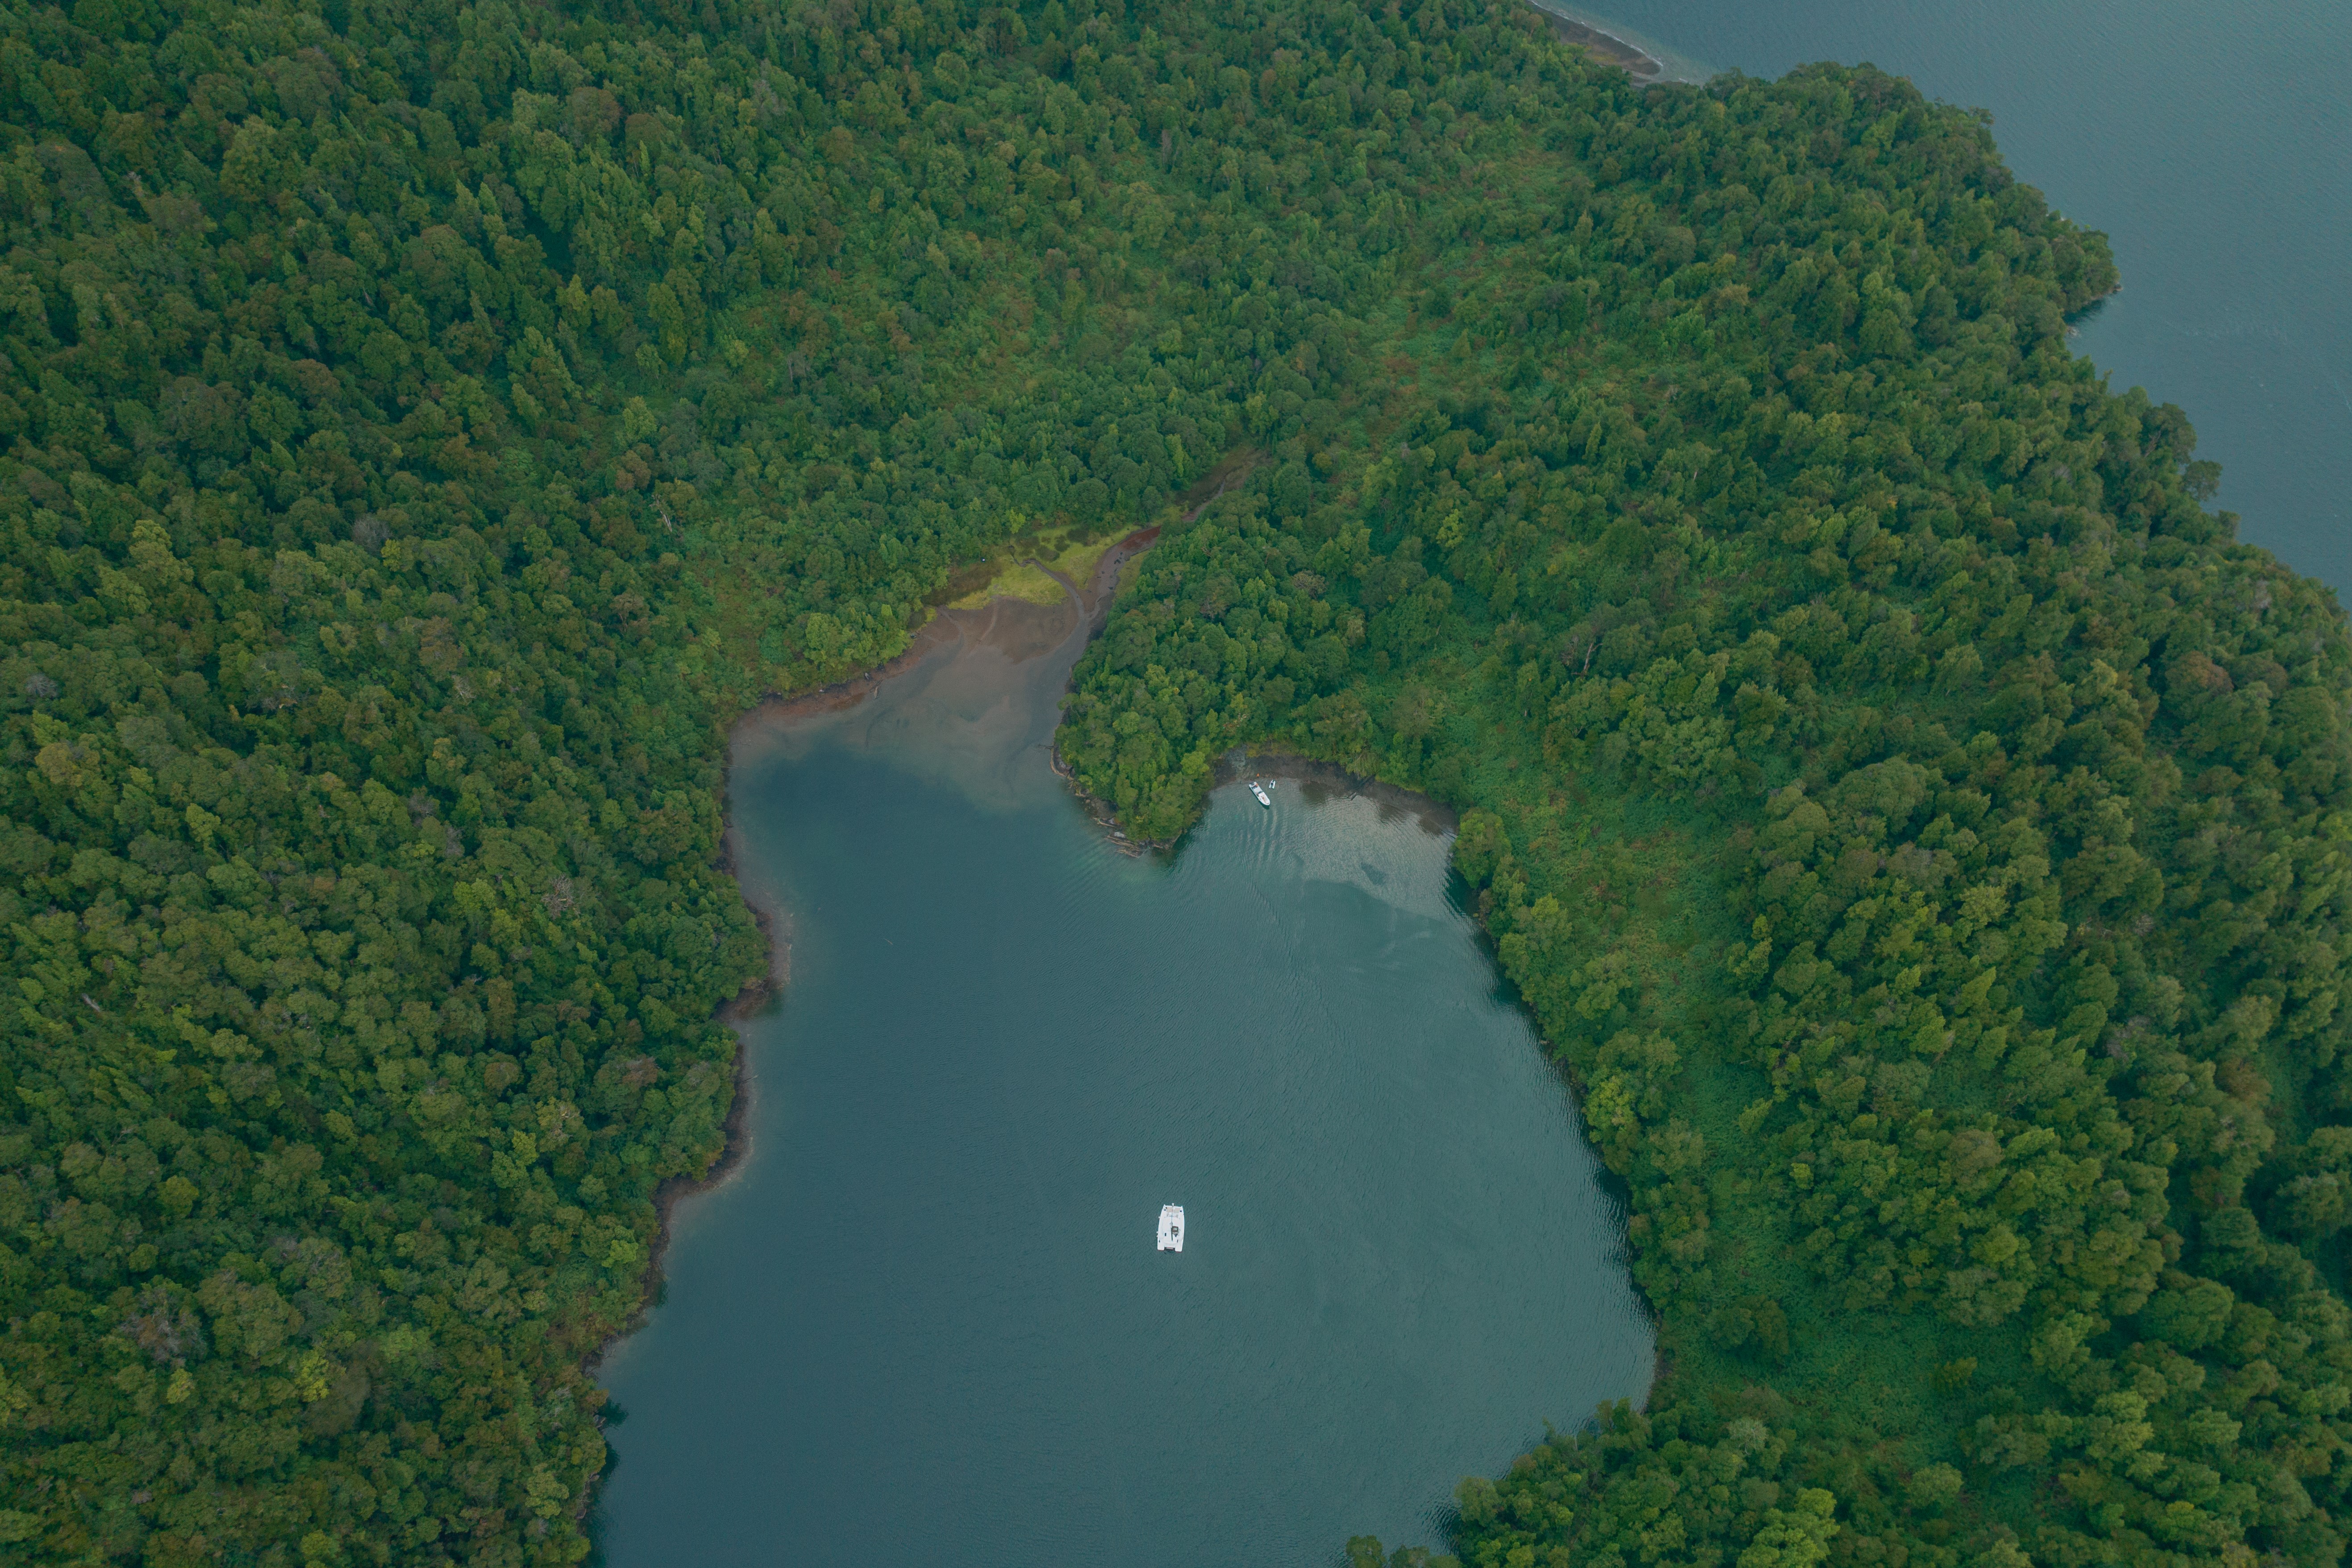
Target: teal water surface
x: 924, y: 1321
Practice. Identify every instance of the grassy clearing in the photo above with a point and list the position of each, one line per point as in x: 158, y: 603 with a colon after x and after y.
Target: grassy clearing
x: 1021, y: 574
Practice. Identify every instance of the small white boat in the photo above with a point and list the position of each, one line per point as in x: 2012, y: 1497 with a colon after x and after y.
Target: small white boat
x: 1259, y: 789
x: 1171, y: 1227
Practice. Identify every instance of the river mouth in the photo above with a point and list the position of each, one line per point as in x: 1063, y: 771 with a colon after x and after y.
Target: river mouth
x: 926, y: 1318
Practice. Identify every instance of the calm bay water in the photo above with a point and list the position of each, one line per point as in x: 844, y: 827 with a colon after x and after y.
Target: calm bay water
x: 2211, y: 139
x: 924, y: 1321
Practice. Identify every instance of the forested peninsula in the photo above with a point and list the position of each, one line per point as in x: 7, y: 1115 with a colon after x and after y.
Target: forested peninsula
x: 1915, y: 822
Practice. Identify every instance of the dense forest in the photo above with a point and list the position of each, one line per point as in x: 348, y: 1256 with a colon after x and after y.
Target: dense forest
x: 1915, y: 822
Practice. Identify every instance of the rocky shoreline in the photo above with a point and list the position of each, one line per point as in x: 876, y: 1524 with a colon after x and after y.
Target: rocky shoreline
x: 1607, y: 47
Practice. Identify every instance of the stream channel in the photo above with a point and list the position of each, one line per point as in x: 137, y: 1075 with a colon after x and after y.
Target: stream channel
x: 923, y: 1319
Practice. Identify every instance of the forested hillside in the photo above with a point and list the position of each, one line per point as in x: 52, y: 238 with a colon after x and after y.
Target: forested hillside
x: 1910, y: 816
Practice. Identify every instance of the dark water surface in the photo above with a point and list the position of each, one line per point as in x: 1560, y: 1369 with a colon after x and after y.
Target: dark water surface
x: 925, y: 1323
x: 2211, y: 139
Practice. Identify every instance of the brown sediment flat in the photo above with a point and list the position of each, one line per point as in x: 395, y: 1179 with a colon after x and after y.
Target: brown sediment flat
x: 1317, y: 781
x: 944, y: 628
x: 1606, y: 47
x: 1015, y: 628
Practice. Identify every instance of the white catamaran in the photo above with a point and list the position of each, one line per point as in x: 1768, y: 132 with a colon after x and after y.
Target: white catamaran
x: 1171, y: 1227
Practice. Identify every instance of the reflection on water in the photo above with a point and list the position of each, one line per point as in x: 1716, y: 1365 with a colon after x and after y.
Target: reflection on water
x: 928, y: 1322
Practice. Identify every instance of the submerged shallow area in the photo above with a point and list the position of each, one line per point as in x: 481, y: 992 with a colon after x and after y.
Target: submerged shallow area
x: 926, y: 1320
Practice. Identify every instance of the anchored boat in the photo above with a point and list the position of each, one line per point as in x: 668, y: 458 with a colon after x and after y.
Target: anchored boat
x: 1263, y: 799
x: 1171, y: 1227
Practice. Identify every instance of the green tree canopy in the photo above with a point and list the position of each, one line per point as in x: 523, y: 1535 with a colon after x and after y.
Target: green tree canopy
x: 1916, y: 823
